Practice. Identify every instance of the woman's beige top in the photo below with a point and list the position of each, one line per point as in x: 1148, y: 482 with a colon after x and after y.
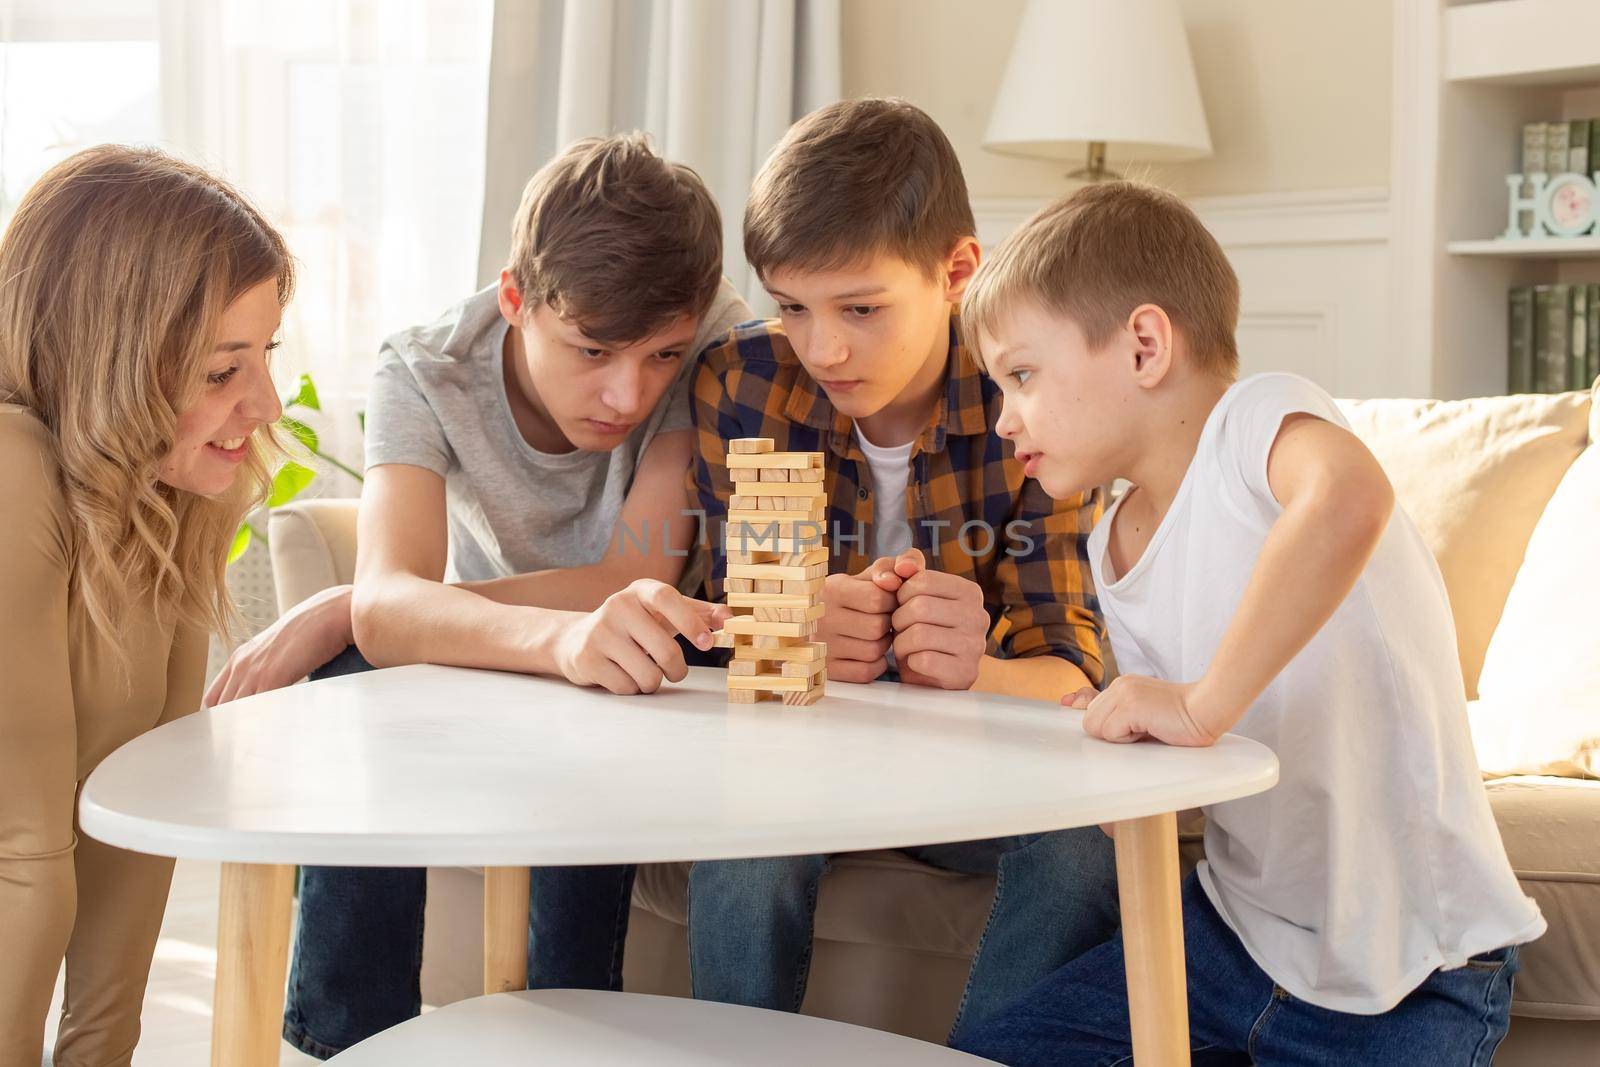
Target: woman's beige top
x: 66, y: 702
x: 51, y: 657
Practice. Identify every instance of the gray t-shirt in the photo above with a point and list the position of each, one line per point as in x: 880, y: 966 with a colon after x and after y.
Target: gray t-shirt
x: 438, y: 401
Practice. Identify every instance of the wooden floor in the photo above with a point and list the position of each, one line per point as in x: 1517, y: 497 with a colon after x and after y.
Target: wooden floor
x: 177, y: 1005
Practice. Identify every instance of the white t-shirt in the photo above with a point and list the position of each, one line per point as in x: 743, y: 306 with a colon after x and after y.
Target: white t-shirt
x: 1375, y: 859
x: 890, y: 471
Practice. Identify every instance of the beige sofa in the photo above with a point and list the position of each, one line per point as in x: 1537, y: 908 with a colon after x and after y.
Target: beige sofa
x: 894, y: 937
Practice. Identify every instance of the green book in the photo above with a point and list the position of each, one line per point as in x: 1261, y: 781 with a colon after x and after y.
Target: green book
x: 1555, y: 147
x: 1592, y: 364
x: 1535, y: 141
x: 1594, y: 147
x: 1578, y: 338
x: 1519, y: 362
x: 1578, y: 146
x: 1552, y: 311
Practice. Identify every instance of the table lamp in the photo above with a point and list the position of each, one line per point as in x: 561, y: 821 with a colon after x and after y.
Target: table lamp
x: 1088, y: 75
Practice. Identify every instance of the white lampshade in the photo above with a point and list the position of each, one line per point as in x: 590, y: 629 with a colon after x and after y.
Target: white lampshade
x: 1116, y: 71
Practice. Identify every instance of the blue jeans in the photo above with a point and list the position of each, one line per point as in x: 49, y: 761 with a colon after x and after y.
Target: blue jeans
x: 358, y: 948
x: 1238, y: 1015
x: 750, y: 921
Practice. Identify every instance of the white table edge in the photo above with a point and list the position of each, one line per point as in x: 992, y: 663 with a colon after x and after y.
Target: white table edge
x: 137, y: 834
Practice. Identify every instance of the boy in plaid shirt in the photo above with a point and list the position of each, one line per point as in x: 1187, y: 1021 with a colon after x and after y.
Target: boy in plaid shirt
x: 950, y: 567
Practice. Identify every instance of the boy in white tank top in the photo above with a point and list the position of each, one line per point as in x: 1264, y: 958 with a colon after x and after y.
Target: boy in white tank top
x: 1257, y: 579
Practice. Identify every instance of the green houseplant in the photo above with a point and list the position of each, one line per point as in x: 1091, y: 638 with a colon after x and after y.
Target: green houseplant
x: 292, y: 478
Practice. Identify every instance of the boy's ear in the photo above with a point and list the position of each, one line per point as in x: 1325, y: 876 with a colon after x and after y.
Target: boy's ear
x: 1151, y: 331
x: 512, y: 307
x: 959, y: 267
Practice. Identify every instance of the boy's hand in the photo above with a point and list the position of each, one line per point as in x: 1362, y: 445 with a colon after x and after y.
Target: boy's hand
x: 855, y: 625
x: 940, y: 626
x: 627, y: 645
x: 303, y: 639
x: 1134, y: 707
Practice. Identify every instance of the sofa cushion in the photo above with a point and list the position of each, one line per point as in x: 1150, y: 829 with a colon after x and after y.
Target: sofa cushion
x: 1539, y: 711
x: 1551, y: 829
x: 1474, y: 475
x: 875, y: 898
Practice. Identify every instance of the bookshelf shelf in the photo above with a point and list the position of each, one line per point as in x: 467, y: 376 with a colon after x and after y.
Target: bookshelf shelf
x: 1546, y: 43
x: 1542, y: 247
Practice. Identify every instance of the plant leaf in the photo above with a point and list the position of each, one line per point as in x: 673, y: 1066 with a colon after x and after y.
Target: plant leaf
x: 301, y: 432
x: 288, y: 482
x: 361, y: 417
x: 305, y: 395
x: 241, y: 541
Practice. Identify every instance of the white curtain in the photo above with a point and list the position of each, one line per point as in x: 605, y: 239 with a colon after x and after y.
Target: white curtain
x: 356, y: 125
x: 715, y: 82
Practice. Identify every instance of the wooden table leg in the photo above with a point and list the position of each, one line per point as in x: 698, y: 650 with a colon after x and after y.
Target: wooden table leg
x: 505, y: 929
x: 254, y: 910
x: 1152, y: 934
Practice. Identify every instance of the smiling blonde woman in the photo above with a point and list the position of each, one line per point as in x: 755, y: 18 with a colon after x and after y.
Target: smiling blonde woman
x: 138, y: 301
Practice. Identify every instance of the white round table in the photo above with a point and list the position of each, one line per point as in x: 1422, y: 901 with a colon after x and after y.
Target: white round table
x: 627, y: 1029
x: 425, y: 765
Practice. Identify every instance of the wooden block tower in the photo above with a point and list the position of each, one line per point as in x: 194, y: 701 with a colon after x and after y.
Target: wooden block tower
x: 777, y: 559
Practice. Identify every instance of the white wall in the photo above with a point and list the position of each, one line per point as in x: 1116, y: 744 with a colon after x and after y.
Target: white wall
x: 1297, y: 96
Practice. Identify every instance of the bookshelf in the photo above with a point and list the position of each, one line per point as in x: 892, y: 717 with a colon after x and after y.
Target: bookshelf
x: 1541, y: 247
x: 1467, y: 77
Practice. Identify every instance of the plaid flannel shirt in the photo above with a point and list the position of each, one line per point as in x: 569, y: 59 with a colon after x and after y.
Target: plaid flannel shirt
x: 972, y: 511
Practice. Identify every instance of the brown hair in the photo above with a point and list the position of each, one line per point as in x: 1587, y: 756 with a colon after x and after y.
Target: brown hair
x: 856, y: 179
x: 1096, y: 255
x: 114, y: 275
x: 617, y: 240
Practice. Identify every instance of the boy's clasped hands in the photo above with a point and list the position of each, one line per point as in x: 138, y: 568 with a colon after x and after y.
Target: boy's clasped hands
x: 934, y: 623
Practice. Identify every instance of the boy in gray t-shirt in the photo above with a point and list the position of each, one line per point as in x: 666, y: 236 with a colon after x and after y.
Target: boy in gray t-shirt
x: 520, y: 450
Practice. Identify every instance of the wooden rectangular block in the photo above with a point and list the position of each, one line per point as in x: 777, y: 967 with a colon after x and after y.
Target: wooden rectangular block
x: 774, y: 474
x: 798, y: 668
x: 750, y: 446
x: 807, y: 614
x: 771, y: 683
x: 810, y: 696
x: 771, y: 572
x: 745, y: 696
x: 749, y: 542
x: 778, y: 559
x: 792, y: 461
x: 769, y: 600
x: 744, y: 624
x: 783, y: 489
x: 810, y: 474
x: 766, y: 585
x: 721, y: 639
x: 814, y: 513
x: 747, y: 668
x: 738, y: 585
x: 769, y: 528
x: 790, y: 587
x: 764, y: 643
x: 744, y: 503
x: 795, y: 652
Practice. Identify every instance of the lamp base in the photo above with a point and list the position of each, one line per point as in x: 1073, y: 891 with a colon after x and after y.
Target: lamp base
x: 1096, y: 171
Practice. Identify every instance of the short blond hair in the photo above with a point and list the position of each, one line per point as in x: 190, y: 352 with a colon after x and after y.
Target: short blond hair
x: 1099, y: 253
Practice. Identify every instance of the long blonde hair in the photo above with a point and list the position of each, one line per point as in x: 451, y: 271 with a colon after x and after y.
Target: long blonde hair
x: 114, y: 274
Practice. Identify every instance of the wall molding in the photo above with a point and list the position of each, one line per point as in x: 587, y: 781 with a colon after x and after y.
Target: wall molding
x: 1313, y: 267
x: 1250, y: 220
